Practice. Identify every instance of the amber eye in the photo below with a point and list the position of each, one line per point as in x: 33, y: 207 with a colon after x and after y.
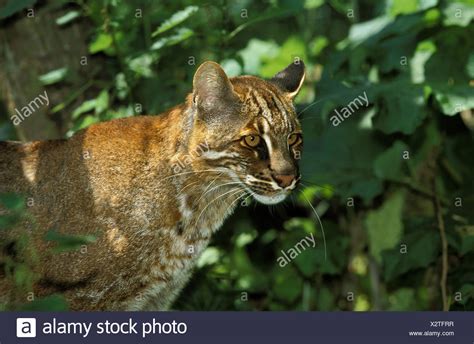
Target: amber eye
x: 252, y: 140
x: 293, y: 138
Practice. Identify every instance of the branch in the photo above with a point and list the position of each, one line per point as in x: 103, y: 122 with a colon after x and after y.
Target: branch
x: 444, y: 246
x: 422, y: 192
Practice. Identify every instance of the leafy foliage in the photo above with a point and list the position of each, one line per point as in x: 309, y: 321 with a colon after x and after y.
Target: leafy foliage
x: 372, y: 179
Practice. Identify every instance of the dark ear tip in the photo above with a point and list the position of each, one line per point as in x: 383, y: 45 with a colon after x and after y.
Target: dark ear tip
x: 297, y: 66
x: 291, y: 78
x: 299, y: 62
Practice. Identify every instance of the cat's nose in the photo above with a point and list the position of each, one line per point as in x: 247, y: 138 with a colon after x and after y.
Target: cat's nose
x: 284, y: 180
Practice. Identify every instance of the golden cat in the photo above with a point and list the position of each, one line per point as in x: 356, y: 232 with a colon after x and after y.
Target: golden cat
x: 152, y: 189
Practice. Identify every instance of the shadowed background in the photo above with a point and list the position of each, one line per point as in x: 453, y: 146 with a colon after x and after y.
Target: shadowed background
x: 391, y: 180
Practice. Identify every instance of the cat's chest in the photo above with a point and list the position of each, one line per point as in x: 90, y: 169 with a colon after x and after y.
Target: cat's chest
x: 169, y: 270
x: 181, y: 245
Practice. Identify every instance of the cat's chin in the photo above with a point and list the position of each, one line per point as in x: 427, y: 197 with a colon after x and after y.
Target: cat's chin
x: 269, y: 200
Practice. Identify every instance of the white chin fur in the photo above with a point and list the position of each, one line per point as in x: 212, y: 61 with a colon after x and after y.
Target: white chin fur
x: 269, y: 199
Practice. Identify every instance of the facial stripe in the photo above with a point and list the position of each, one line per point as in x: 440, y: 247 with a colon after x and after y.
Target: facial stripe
x: 255, y: 105
x: 266, y: 137
x: 270, y: 105
x: 283, y: 111
x: 280, y: 108
x: 213, y: 155
x: 263, y: 106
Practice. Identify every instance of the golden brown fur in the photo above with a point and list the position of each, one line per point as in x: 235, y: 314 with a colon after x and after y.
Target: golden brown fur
x: 151, y: 189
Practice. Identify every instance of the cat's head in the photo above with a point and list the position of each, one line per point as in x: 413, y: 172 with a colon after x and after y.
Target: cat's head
x: 250, y: 127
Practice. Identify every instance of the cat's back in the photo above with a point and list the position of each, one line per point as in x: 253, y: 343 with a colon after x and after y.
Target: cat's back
x: 20, y: 162
x: 94, y: 149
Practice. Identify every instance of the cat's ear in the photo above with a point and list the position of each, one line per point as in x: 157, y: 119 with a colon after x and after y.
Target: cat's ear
x: 290, y: 79
x: 212, y: 90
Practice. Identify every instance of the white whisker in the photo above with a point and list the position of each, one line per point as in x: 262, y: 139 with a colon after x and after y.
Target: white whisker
x: 238, y: 198
x: 215, y: 187
x: 321, y: 224
x: 192, y: 183
x: 189, y: 172
x: 310, y: 105
x: 213, y: 181
x: 235, y: 190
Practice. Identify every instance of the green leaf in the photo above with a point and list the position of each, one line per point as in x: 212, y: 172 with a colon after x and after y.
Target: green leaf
x: 376, y: 31
x: 176, y: 19
x: 15, y: 204
x: 351, y: 173
x: 313, y: 4
x: 231, y: 67
x: 307, y: 261
x: 102, y: 102
x: 181, y: 35
x: 293, y: 47
x: 388, y: 165
x: 467, y: 292
x: 256, y: 51
x: 403, y: 6
x: 384, y: 225
x: 403, y: 300
x: 467, y: 244
x: 317, y: 45
x: 54, y: 76
x: 86, y: 106
x: 250, y: 278
x: 66, y: 242
x: 470, y: 65
x: 361, y: 32
x: 313, y: 259
x: 23, y: 276
x: 14, y: 6
x: 210, y: 256
x: 244, y: 239
x: 424, y: 50
x: 391, y: 52
x: 457, y: 13
x: 121, y: 85
x: 287, y: 285
x: 8, y: 221
x: 452, y: 99
x: 51, y: 303
x: 452, y: 44
x: 420, y: 250
x: 100, y: 43
x: 12, y: 201
x: 402, y: 108
x: 325, y: 300
x: 142, y: 65
x: 272, y: 14
x: 67, y: 18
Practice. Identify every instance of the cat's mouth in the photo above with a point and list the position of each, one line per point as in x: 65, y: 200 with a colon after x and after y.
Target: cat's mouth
x: 271, y: 199
x: 269, y: 194
x: 266, y: 191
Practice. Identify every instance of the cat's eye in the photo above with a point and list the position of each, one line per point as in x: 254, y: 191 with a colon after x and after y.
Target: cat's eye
x: 293, y: 138
x: 252, y: 140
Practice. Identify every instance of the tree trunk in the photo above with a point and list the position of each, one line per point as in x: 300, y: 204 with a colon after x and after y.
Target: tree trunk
x: 32, y: 44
